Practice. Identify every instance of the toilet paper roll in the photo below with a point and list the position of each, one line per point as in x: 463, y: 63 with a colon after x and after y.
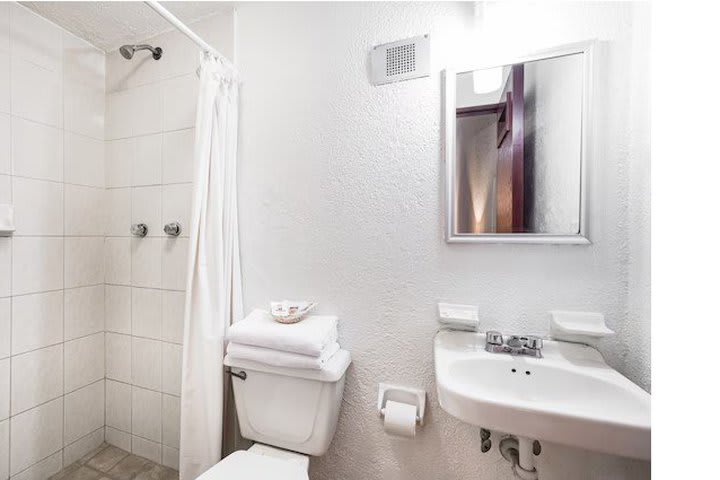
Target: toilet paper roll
x: 400, y: 419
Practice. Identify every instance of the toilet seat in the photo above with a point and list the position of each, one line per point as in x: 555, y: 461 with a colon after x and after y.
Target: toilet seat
x: 286, y: 455
x: 246, y: 465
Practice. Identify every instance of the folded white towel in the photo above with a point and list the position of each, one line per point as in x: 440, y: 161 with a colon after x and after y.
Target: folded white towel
x: 278, y: 358
x: 308, y: 337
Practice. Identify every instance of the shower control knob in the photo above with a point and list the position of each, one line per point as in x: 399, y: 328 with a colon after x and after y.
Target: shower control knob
x: 173, y: 229
x: 139, y: 229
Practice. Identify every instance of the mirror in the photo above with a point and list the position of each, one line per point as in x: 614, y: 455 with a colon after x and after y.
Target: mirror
x: 516, y: 148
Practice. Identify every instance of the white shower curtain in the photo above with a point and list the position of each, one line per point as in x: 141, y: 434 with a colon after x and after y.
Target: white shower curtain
x: 213, y: 289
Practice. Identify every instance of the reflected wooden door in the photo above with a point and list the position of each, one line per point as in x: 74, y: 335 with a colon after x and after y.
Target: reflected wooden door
x: 510, y: 144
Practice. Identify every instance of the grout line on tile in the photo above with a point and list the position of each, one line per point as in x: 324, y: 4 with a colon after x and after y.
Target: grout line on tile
x: 39, y: 461
x: 62, y: 342
x: 58, y: 397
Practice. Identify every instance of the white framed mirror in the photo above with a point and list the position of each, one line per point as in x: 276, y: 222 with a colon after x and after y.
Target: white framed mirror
x: 517, y: 149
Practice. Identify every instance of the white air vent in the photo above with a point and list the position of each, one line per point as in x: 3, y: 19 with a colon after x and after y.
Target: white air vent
x: 401, y: 60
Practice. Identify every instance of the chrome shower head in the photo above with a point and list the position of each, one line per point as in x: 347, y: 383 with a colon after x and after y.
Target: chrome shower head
x: 128, y: 51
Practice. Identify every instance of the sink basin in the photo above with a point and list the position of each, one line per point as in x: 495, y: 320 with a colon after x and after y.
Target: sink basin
x: 570, y: 396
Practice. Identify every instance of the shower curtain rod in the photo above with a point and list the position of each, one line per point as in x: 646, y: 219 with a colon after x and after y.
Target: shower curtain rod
x: 177, y: 23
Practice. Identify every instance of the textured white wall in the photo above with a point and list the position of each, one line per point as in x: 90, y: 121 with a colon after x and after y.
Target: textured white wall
x: 341, y: 202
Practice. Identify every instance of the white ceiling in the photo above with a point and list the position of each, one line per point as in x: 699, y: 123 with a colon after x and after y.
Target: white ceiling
x: 108, y: 25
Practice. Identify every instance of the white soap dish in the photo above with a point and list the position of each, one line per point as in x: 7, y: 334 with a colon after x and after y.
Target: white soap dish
x: 7, y: 222
x: 290, y: 312
x: 580, y: 327
x: 459, y: 317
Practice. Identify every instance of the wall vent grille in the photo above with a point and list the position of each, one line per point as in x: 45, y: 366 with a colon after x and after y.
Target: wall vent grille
x: 401, y: 60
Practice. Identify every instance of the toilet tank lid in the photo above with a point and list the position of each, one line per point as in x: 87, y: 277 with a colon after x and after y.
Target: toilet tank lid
x: 333, y: 370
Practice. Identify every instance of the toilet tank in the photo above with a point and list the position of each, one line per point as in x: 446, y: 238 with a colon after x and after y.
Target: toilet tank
x: 294, y: 409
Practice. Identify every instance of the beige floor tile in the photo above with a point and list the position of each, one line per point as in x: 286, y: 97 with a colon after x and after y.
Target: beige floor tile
x: 90, y: 455
x: 107, y: 459
x: 83, y: 473
x: 129, y: 467
x: 158, y: 472
x: 171, y: 474
x: 65, y: 472
x: 111, y: 463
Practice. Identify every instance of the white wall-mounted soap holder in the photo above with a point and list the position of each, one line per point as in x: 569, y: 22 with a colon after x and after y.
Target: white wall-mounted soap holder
x: 7, y: 220
x: 583, y: 327
x: 396, y: 393
x: 459, y: 317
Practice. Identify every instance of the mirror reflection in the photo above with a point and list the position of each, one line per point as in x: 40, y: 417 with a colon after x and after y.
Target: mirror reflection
x: 518, y: 148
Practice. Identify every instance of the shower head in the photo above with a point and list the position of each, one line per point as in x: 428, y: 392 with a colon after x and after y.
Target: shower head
x: 128, y: 51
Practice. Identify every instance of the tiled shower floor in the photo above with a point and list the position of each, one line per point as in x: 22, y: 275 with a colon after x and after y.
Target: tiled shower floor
x: 112, y: 463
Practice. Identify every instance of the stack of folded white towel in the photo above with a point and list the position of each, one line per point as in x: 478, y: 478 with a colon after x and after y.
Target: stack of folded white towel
x: 309, y: 343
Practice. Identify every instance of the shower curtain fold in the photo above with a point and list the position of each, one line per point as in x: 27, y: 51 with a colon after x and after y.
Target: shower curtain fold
x: 213, y: 288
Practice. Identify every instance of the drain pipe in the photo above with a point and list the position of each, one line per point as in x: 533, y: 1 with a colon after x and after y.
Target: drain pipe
x: 525, y: 454
x: 519, y: 452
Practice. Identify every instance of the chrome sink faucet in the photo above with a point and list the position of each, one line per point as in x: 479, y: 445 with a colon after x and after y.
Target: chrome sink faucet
x: 528, y: 345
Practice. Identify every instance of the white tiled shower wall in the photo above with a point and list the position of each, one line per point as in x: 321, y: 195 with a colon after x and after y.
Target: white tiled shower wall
x: 150, y: 108
x: 91, y: 318
x: 52, y: 387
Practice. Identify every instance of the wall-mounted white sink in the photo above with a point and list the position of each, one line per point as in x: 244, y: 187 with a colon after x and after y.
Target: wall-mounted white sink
x: 570, y: 396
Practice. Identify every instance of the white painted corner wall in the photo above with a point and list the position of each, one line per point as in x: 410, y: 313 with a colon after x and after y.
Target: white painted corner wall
x: 150, y: 135
x: 341, y: 202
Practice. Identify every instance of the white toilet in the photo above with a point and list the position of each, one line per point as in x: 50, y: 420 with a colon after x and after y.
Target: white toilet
x: 291, y: 413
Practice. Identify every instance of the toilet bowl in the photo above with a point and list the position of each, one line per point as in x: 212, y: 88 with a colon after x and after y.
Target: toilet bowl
x: 252, y: 464
x: 291, y: 414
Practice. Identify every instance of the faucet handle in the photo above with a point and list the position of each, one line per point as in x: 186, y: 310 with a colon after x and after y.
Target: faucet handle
x: 534, y: 343
x: 139, y: 229
x: 173, y: 229
x: 493, y: 337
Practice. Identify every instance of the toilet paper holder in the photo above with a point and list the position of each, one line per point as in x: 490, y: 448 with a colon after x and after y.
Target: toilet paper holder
x: 397, y: 393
